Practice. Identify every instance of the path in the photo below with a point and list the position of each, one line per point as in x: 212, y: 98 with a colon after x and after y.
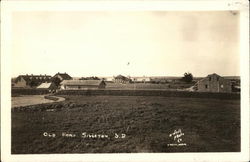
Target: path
x: 27, y: 100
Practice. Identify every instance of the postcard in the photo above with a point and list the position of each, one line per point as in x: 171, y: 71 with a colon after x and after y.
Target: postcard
x: 125, y: 81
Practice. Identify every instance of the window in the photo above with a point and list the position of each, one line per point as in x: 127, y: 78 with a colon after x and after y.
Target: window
x: 209, y: 78
x: 217, y: 78
x: 206, y: 86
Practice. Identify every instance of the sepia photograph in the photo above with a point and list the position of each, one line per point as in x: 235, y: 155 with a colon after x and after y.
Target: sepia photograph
x: 108, y: 81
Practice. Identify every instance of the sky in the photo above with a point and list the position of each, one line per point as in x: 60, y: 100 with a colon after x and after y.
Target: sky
x: 135, y: 43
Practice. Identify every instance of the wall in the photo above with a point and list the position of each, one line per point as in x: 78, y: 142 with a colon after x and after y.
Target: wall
x: 120, y: 81
x: 81, y: 87
x: 215, y: 84
x: 162, y: 93
x: 28, y: 91
x: 20, y: 83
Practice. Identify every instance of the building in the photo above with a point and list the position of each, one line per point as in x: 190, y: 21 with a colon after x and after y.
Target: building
x: 122, y: 79
x: 142, y: 79
x: 214, y: 83
x: 90, y: 78
x: 28, y: 81
x: 108, y: 79
x: 82, y: 84
x: 235, y: 82
x: 63, y: 76
x: 13, y: 82
x: 49, y: 86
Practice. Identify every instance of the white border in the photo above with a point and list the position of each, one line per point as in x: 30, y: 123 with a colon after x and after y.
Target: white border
x: 7, y: 7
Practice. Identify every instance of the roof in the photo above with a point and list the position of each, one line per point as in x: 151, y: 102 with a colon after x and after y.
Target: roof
x: 90, y: 78
x: 209, y: 76
x: 45, y: 85
x: 82, y: 82
x: 64, y: 76
x: 121, y: 77
x: 141, y: 77
x: 28, y: 78
x: 166, y: 77
x: 214, y: 74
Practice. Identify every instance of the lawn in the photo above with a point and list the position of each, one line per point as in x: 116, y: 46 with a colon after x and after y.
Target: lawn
x: 124, y: 124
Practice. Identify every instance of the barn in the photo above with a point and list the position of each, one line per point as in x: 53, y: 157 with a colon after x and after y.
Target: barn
x: 82, y: 84
x: 214, y: 83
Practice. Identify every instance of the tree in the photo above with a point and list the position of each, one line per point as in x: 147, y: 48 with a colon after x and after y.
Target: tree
x: 188, y: 77
x: 56, y: 81
x: 33, y: 83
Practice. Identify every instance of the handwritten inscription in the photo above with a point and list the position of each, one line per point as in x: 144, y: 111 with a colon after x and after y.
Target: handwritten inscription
x: 120, y: 135
x: 177, y: 137
x: 93, y: 135
x: 64, y: 134
x: 46, y: 134
x: 84, y: 135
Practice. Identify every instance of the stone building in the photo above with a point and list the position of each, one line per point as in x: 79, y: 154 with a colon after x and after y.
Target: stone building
x: 214, y: 83
x: 122, y: 79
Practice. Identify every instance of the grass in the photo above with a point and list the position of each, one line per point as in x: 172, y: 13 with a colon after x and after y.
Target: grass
x: 148, y: 86
x: 209, y: 125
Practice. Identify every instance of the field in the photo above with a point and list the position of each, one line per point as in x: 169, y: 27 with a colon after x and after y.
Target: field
x: 148, y: 86
x: 110, y: 124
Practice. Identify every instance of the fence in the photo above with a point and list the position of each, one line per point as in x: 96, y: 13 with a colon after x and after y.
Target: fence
x: 151, y: 93
x: 28, y: 91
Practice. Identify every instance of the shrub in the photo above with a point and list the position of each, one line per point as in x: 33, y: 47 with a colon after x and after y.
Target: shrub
x: 51, y: 98
x: 188, y: 77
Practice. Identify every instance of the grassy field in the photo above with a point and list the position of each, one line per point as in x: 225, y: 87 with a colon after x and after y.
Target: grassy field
x: 148, y: 86
x: 141, y: 123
